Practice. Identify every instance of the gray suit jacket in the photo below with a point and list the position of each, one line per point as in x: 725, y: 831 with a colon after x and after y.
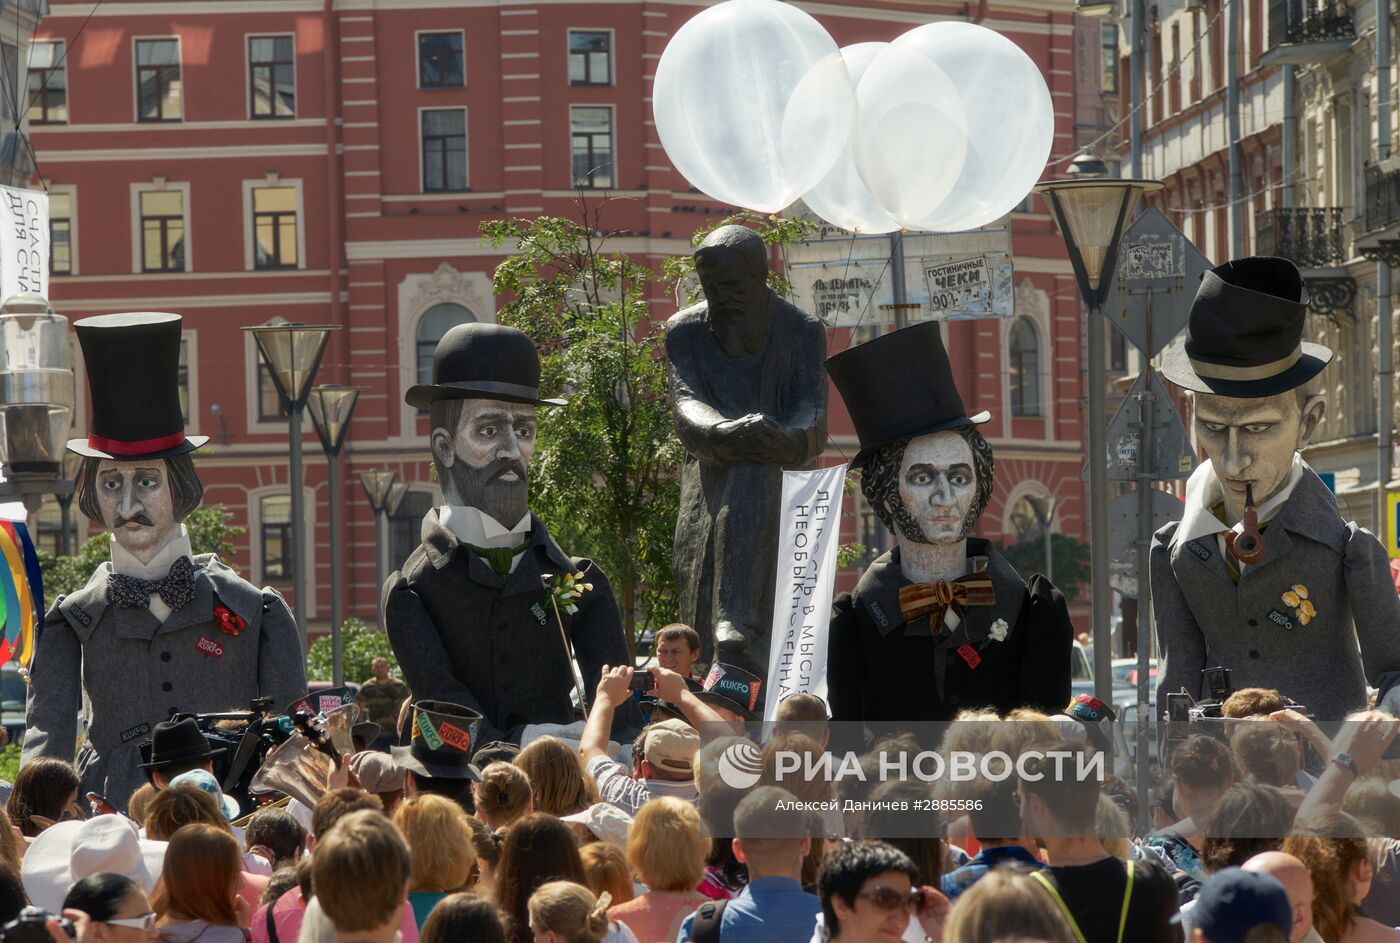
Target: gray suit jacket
x: 137, y: 670
x: 1205, y: 619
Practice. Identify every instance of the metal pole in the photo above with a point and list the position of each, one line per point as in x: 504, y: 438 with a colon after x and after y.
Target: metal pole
x: 1290, y: 130
x: 1232, y: 123
x: 1101, y: 595
x: 1047, y: 516
x: 1146, y: 475
x: 1137, y: 27
x: 65, y: 524
x: 337, y: 657
x: 379, y: 572
x: 299, y: 581
x: 897, y: 277
x: 1385, y: 366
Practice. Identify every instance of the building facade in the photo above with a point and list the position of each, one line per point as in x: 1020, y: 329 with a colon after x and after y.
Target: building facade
x: 244, y: 162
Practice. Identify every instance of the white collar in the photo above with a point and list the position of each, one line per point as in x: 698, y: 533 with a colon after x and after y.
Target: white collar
x: 474, y: 526
x: 1203, y: 492
x: 125, y: 563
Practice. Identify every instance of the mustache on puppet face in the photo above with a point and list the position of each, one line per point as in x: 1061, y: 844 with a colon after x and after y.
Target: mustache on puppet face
x: 138, y: 518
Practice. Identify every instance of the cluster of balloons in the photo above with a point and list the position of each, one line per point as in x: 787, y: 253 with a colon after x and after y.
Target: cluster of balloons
x: 945, y: 129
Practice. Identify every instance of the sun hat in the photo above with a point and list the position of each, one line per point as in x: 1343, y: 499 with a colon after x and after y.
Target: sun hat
x: 67, y: 852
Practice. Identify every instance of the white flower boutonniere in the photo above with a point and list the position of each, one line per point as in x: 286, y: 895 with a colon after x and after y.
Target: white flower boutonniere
x: 999, y: 630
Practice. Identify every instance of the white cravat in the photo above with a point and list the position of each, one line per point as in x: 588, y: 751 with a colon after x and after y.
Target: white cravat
x: 474, y: 526
x: 125, y: 563
x: 1204, y: 491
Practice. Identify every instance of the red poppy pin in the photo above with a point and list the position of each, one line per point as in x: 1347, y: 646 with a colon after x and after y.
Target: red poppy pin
x: 229, y: 621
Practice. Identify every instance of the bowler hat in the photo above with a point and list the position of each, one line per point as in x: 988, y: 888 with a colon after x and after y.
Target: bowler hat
x: 442, y: 735
x: 178, y: 741
x: 483, y: 361
x: 734, y: 688
x: 1244, y: 336
x: 133, y: 369
x: 899, y: 386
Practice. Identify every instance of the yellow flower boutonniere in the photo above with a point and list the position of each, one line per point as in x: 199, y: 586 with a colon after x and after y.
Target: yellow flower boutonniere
x: 567, y: 589
x: 1297, y: 599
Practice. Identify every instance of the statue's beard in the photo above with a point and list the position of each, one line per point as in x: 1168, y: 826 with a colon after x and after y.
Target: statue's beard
x: 481, y: 487
x: 910, y: 529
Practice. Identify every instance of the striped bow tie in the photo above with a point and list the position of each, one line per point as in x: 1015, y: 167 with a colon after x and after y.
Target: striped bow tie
x: 933, y: 599
x: 175, y: 589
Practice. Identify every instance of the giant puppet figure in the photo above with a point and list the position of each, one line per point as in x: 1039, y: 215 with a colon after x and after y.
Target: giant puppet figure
x: 470, y: 615
x: 942, y: 622
x: 1262, y: 575
x: 157, y: 630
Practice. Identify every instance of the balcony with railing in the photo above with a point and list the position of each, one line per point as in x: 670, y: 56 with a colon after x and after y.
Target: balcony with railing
x: 1302, y: 32
x: 1314, y: 239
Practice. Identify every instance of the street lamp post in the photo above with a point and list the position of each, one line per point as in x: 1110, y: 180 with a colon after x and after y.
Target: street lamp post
x: 377, y: 485
x: 293, y: 354
x: 331, y: 409
x: 63, y: 494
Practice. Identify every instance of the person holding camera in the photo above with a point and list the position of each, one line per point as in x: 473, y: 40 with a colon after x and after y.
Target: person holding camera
x: 101, y: 908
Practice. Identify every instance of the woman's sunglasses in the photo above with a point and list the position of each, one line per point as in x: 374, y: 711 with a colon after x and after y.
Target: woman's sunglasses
x: 888, y: 899
x: 143, y: 922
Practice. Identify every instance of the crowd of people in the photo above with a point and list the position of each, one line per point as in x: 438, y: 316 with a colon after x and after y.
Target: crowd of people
x: 562, y: 842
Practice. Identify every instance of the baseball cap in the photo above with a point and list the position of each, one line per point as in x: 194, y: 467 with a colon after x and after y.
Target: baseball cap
x: 671, y: 746
x: 377, y: 772
x: 1235, y: 901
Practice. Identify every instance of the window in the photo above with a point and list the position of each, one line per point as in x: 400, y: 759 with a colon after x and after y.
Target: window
x: 592, y: 132
x: 60, y: 233
x: 183, y: 379
x: 440, y: 62
x: 162, y: 231
x: 1108, y: 51
x: 158, y: 80
x: 405, y: 527
x: 276, y: 514
x: 1176, y: 69
x: 48, y: 83
x: 873, y: 534
x: 1117, y: 350
x: 275, y: 227
x: 444, y: 149
x: 272, y: 87
x: 1024, y: 369
x: 48, y: 529
x: 270, y: 406
x: 435, y: 322
x: 590, y: 58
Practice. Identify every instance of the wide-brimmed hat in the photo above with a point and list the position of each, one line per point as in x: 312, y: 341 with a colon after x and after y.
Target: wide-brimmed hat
x: 204, y: 781
x: 1245, y: 335
x: 606, y: 821
x: 133, y: 370
x: 178, y: 741
x: 67, y: 852
x: 735, y: 688
x: 898, y: 386
x: 483, y: 361
x: 442, y: 734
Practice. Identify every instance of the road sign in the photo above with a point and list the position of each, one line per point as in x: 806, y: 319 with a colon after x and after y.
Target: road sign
x: 1123, y: 534
x: 1157, y: 274
x: 1172, y: 456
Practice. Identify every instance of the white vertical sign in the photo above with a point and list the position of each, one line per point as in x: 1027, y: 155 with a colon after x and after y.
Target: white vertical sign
x: 809, y: 536
x: 24, y: 242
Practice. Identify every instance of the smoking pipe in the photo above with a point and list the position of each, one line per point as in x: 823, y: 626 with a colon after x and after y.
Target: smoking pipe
x: 1248, y: 546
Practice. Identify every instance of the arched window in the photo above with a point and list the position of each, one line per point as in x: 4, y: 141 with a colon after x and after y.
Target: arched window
x: 1024, y: 368
x: 1027, y: 517
x: 434, y: 323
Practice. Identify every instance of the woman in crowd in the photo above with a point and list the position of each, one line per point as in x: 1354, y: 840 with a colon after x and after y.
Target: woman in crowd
x: 1006, y: 904
x: 115, y: 908
x: 1202, y: 769
x: 440, y: 844
x: 459, y: 918
x: 1249, y: 819
x: 197, y: 898
x: 558, y: 782
x: 174, y: 807
x: 605, y: 869
x: 1342, y: 864
x: 565, y: 912
x: 45, y: 792
x: 867, y: 894
x: 276, y: 836
x: 12, y: 897
x: 666, y: 848
x: 537, y: 849
x: 503, y: 795
x: 487, y: 848
x: 928, y: 850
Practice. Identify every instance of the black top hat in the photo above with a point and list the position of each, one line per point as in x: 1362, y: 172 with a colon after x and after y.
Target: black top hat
x: 1244, y: 338
x: 178, y: 741
x: 133, y: 369
x: 899, y: 386
x: 483, y: 361
x: 443, y: 735
x: 735, y: 688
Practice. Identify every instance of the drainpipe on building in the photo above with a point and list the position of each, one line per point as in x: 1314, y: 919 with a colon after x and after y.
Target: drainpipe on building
x: 335, y: 241
x: 1137, y: 32
x: 1385, y: 366
x: 1290, y: 128
x: 1232, y: 124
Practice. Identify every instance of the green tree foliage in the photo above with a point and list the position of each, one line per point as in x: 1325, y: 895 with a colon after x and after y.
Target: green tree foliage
x: 1071, y: 561
x: 210, y: 532
x: 360, y: 647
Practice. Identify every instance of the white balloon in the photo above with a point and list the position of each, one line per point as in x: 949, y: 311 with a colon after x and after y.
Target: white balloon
x: 1010, y: 120
x: 910, y: 139
x: 842, y: 198
x: 752, y: 102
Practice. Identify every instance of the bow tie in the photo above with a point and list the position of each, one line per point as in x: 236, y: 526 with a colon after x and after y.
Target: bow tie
x: 175, y: 589
x: 933, y: 599
x: 499, y: 557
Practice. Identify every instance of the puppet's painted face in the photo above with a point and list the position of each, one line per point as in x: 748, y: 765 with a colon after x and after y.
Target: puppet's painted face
x: 136, y: 504
x: 1251, y: 442
x: 938, y: 486
x: 489, y: 457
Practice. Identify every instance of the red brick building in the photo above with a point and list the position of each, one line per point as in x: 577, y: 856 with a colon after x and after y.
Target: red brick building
x: 330, y: 161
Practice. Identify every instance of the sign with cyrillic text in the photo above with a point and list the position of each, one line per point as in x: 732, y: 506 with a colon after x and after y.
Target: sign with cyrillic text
x: 24, y: 242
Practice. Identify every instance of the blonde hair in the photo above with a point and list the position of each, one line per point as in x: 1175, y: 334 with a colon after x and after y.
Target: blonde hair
x: 667, y: 845
x: 503, y: 795
x: 1006, y: 904
x: 139, y: 802
x: 359, y: 871
x: 558, y: 781
x: 439, y: 841
x: 606, y: 870
x: 571, y: 911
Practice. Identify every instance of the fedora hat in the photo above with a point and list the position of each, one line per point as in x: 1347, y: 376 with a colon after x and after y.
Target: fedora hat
x: 133, y: 370
x: 734, y: 688
x: 483, y: 361
x: 1245, y: 334
x: 178, y: 741
x: 898, y: 386
x: 440, y: 745
x: 67, y: 852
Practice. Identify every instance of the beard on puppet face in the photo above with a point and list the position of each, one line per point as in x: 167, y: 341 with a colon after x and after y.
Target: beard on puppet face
x: 910, y: 529
x: 482, y: 487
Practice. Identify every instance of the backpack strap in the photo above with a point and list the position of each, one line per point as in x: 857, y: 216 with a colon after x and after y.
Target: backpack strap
x: 271, y: 924
x: 705, y: 927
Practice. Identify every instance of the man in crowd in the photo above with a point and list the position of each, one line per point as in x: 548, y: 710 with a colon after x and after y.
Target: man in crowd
x: 1238, y: 906
x: 381, y: 697
x: 995, y: 820
x: 177, y: 747
x: 773, y: 907
x: 1297, y: 883
x: 438, y: 757
x: 361, y: 873
x: 677, y: 649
